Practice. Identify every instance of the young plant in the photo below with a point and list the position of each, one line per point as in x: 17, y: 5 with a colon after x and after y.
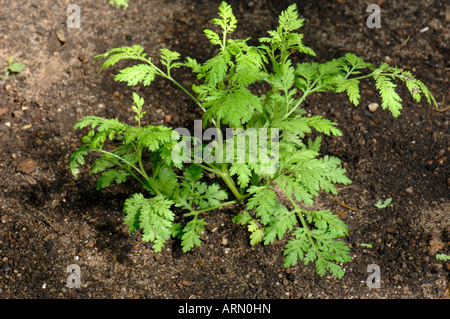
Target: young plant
x: 380, y: 204
x: 119, y: 3
x: 13, y: 67
x: 284, y: 164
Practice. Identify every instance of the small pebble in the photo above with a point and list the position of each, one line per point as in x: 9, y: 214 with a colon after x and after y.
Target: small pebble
x: 409, y: 190
x: 61, y: 34
x: 27, y: 166
x: 224, y: 241
x: 185, y: 282
x: 373, y: 107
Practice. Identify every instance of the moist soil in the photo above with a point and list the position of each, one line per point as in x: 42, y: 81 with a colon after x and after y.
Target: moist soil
x: 50, y: 219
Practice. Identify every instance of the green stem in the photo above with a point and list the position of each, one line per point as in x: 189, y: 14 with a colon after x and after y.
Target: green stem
x: 123, y: 160
x: 301, y: 217
x: 197, y: 212
x: 225, y: 175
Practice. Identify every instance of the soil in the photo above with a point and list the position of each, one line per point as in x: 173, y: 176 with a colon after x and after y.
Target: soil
x: 50, y: 219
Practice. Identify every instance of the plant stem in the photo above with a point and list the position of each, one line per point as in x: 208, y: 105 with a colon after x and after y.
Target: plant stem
x: 197, y: 212
x: 225, y: 175
x: 302, y: 218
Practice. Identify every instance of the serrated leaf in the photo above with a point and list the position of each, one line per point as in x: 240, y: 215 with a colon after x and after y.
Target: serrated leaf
x: 213, y: 37
x: 323, y: 125
x: 137, y: 73
x: 194, y: 65
x: 380, y: 204
x: 168, y: 180
x: 351, y: 86
x: 191, y: 234
x: 242, y: 218
x: 216, y: 68
x: 76, y: 159
x: 256, y: 233
x: 153, y: 215
x: 135, y: 52
x: 263, y: 201
x: 356, y: 61
x: 212, y: 196
x: 243, y: 173
x: 228, y: 21
x: 281, y: 221
x: 112, y: 175
x: 389, y: 98
x: 289, y: 20
x: 168, y: 57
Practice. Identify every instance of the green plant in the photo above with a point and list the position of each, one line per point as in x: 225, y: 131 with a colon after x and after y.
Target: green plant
x: 119, y: 3
x: 380, y: 204
x: 13, y: 67
x: 178, y: 192
x: 443, y: 257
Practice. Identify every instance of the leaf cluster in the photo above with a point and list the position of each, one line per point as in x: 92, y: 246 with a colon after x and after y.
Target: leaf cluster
x: 228, y: 92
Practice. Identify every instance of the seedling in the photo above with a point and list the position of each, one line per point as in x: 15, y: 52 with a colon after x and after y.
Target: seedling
x: 13, y: 67
x: 380, y: 204
x: 176, y: 178
x: 119, y: 3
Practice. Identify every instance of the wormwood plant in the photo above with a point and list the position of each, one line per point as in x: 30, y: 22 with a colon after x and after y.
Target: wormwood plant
x: 292, y: 168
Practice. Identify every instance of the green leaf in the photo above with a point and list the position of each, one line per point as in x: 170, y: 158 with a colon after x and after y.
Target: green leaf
x: 216, y: 68
x: 243, y: 172
x: 16, y: 67
x: 112, y: 175
x: 295, y: 248
x: 390, y: 99
x: 443, y: 257
x: 356, y: 61
x: 212, y: 196
x: 136, y: 52
x: 380, y: 204
x: 228, y: 21
x: 155, y: 137
x: 293, y: 185
x: 137, y: 73
x: 242, y: 218
x: 326, y: 220
x: 193, y: 173
x: 168, y: 180
x: 104, y: 162
x: 322, y: 125
x: 263, y: 201
x: 153, y: 215
x: 194, y: 65
x: 77, y: 159
x: 191, y: 234
x: 119, y: 3
x: 318, y: 245
x: 168, y: 57
x: 281, y: 221
x: 256, y: 233
x: 288, y: 19
x: 213, y: 37
x: 351, y: 86
x: 235, y: 107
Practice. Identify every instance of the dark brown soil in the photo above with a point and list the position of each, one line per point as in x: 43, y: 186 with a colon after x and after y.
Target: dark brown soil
x: 50, y: 220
